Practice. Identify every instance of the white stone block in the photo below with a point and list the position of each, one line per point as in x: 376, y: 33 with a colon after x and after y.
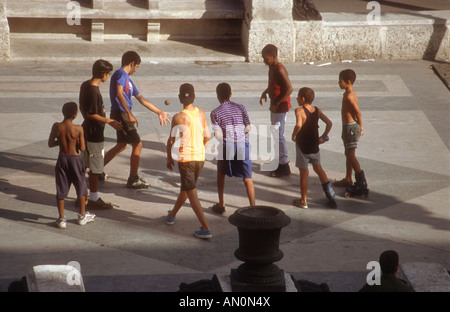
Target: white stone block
x: 426, y: 277
x: 55, y: 278
x: 153, y: 30
x: 97, y: 31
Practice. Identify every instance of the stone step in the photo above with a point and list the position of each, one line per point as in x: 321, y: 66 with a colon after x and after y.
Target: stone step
x: 117, y: 9
x: 165, y: 51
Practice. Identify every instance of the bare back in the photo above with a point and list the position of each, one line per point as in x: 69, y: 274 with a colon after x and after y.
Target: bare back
x: 68, y: 136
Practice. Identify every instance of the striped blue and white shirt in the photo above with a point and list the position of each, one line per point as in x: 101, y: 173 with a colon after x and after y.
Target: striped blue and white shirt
x: 230, y: 118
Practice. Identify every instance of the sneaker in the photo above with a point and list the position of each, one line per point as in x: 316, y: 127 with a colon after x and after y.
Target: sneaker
x: 137, y: 183
x: 218, y: 209
x: 61, y: 223
x: 170, y: 221
x: 299, y: 203
x: 99, y: 204
x: 202, y: 233
x: 88, y: 217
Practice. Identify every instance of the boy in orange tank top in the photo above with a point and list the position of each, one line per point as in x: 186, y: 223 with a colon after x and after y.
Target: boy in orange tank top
x: 191, y: 156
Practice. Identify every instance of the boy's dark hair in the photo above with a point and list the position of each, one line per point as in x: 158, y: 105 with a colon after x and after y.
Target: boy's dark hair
x: 307, y: 93
x: 100, y: 68
x: 270, y: 49
x: 348, y: 75
x: 69, y: 110
x: 223, y: 91
x: 187, y: 93
x: 389, y: 261
x: 130, y: 57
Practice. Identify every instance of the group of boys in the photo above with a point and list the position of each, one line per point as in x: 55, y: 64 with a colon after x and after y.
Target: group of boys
x: 306, y: 134
x: 89, y: 138
x: 231, y: 124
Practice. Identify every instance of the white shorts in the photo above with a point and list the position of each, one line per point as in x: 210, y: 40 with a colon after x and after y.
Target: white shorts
x: 302, y: 160
x: 93, y: 157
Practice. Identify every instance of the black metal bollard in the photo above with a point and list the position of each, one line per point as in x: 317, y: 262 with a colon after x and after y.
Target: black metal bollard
x: 259, y: 231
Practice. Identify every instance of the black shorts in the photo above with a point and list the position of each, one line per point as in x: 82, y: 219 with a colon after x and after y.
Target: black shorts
x: 128, y: 133
x: 189, y: 173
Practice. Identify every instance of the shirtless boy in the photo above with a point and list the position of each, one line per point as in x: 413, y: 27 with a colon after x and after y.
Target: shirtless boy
x: 69, y: 166
x: 352, y: 130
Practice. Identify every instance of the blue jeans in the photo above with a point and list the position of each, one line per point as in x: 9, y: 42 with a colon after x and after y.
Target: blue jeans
x: 279, y: 120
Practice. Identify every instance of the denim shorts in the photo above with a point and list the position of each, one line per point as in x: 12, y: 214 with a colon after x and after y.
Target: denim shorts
x: 236, y: 163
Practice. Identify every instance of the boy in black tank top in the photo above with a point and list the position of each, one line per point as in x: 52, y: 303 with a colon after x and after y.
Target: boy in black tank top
x: 306, y: 137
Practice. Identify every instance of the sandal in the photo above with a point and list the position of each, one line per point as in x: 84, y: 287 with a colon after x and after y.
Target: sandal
x: 299, y: 203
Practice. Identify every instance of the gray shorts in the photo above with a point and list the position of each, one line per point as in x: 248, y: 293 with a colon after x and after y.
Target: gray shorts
x: 302, y: 160
x: 351, y: 133
x: 93, y: 156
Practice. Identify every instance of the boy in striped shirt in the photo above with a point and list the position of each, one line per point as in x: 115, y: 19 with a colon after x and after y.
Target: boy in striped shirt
x: 231, y: 124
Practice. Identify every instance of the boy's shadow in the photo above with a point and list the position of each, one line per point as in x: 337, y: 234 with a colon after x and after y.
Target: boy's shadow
x: 27, y: 194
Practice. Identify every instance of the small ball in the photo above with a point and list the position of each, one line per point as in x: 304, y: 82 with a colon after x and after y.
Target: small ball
x: 167, y: 102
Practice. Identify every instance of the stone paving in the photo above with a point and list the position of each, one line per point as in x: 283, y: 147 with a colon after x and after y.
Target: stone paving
x: 404, y: 152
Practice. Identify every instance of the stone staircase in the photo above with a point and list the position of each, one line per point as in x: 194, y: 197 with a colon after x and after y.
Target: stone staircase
x: 197, y: 29
x: 146, y: 20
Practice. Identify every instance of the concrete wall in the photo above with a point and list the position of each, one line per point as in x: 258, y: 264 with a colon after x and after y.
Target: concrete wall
x: 338, y: 36
x: 268, y: 22
x: 4, y: 34
x: 342, y: 36
x: 419, y: 35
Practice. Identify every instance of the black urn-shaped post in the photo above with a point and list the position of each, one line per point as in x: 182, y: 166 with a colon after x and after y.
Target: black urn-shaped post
x: 259, y: 229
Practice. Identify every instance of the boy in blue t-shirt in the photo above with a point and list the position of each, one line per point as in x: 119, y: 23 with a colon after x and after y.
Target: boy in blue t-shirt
x: 121, y: 91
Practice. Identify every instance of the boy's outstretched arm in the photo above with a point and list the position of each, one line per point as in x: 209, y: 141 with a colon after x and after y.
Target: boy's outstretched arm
x: 113, y: 123
x: 163, y: 119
